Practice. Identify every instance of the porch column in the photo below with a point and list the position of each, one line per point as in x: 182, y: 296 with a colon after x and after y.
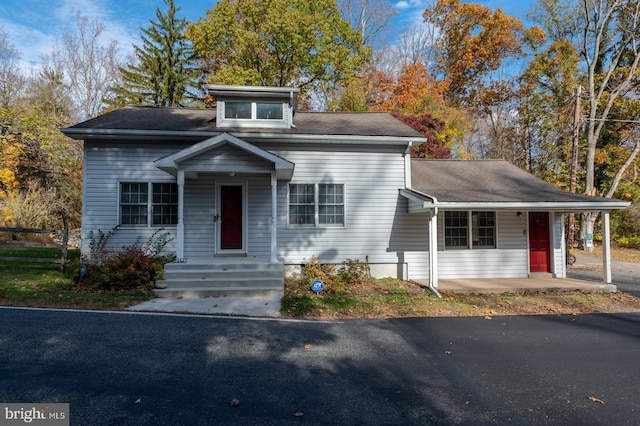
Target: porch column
x: 606, y: 248
x: 180, y: 227
x: 433, y: 249
x: 274, y: 218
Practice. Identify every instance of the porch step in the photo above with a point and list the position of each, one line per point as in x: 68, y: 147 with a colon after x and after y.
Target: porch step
x: 219, y: 277
x: 198, y: 292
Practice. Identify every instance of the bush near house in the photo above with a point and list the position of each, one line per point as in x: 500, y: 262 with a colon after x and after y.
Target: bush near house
x: 132, y: 267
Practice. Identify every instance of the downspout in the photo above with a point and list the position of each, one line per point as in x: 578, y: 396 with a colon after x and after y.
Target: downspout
x: 432, y: 246
x: 407, y: 165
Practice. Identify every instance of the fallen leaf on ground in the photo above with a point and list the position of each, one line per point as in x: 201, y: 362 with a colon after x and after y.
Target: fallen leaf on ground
x: 299, y: 414
x: 307, y: 346
x: 138, y: 401
x: 594, y: 399
x: 234, y: 402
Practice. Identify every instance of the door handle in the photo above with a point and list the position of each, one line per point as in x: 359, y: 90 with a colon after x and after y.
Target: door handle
x: 216, y: 218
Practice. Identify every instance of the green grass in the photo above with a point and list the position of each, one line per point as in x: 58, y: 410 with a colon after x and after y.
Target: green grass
x: 37, y: 252
x: 43, y: 285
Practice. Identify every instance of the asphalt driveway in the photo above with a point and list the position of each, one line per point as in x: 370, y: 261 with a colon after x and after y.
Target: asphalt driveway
x: 624, y: 275
x: 138, y: 369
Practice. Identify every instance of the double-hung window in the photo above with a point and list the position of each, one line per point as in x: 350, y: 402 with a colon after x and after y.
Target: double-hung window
x: 134, y: 200
x: 164, y: 207
x: 138, y: 208
x: 476, y: 229
x: 316, y: 204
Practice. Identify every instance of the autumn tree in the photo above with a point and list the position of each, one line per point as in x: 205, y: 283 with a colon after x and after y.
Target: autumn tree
x: 472, y: 42
x: 546, y: 111
x: 415, y: 100
x: 164, y: 69
x: 90, y: 65
x: 298, y: 43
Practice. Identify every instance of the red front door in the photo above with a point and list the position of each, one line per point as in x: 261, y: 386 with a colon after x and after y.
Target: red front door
x: 539, y: 247
x: 231, y: 217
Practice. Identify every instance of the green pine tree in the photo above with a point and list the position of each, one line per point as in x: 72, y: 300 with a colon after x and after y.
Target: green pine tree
x: 164, y: 71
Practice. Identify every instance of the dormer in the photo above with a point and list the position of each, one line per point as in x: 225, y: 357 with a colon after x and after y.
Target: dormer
x: 254, y: 106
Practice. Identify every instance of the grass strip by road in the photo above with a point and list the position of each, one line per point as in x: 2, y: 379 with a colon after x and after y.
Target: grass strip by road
x: 43, y: 285
x: 395, y: 299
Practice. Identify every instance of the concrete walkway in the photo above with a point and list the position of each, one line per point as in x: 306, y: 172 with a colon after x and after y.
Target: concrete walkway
x: 520, y: 285
x: 235, y: 306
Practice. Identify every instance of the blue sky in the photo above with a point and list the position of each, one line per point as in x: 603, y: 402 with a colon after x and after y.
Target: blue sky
x: 33, y: 25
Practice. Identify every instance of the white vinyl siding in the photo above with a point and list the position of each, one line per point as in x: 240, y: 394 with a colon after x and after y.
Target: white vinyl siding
x: 106, y: 165
x: 510, y: 259
x: 378, y: 227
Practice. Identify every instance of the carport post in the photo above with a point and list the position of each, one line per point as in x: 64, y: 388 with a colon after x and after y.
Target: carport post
x: 606, y: 248
x: 180, y: 225
x: 433, y: 248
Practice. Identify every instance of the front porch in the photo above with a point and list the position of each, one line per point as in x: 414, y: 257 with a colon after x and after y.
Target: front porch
x: 537, y: 283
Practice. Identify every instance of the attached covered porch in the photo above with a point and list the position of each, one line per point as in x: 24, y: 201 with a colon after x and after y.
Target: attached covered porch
x: 504, y: 228
x: 227, y: 198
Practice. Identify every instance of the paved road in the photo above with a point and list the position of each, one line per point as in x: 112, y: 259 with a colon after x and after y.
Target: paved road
x: 186, y: 369
x: 624, y: 275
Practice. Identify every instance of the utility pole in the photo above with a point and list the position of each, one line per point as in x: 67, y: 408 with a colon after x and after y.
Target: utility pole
x: 574, y: 160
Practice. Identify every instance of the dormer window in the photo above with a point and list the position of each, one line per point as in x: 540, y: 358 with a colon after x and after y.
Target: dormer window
x: 258, y: 107
x: 253, y: 110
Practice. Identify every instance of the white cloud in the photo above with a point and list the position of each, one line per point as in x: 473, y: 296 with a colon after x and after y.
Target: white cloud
x: 401, y: 5
x: 32, y: 43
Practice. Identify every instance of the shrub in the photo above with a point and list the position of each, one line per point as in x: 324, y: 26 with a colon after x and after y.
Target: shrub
x: 350, y: 273
x: 355, y: 272
x: 134, y: 266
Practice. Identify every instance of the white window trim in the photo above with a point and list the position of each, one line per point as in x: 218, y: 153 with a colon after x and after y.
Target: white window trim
x: 149, y: 223
x: 253, y: 121
x: 316, y: 212
x: 470, y: 232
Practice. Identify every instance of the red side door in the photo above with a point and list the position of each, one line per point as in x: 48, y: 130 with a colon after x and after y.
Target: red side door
x: 231, y: 217
x: 539, y: 243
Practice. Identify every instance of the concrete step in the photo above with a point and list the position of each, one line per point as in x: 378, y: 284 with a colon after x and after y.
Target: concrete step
x: 234, y: 274
x: 177, y: 283
x: 195, y: 292
x: 217, y: 266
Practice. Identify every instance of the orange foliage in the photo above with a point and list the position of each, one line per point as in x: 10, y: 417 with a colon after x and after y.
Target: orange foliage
x: 415, y: 93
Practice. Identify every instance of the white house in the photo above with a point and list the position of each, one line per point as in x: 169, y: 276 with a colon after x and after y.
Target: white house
x: 253, y: 184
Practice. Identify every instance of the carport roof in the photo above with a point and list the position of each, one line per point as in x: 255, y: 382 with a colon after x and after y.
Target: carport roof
x: 493, y: 184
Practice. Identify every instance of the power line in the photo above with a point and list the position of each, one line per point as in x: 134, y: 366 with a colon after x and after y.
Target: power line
x: 611, y: 119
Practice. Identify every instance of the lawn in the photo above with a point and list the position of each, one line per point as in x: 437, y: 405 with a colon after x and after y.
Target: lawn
x: 43, y: 285
x: 394, y: 298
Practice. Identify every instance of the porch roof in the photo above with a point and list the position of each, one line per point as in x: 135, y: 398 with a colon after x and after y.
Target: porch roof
x: 492, y: 184
x: 172, y: 163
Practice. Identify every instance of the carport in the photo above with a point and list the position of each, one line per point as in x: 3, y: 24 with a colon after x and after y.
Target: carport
x: 512, y: 261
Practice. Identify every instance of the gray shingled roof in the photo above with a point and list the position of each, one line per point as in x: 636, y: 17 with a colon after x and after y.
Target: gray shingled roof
x: 488, y: 181
x: 203, y: 120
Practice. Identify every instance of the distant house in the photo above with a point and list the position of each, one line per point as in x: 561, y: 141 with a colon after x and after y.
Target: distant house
x: 255, y: 182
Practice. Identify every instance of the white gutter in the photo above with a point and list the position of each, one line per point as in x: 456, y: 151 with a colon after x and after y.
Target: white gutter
x: 82, y: 133
x: 562, y: 207
x: 433, y: 236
